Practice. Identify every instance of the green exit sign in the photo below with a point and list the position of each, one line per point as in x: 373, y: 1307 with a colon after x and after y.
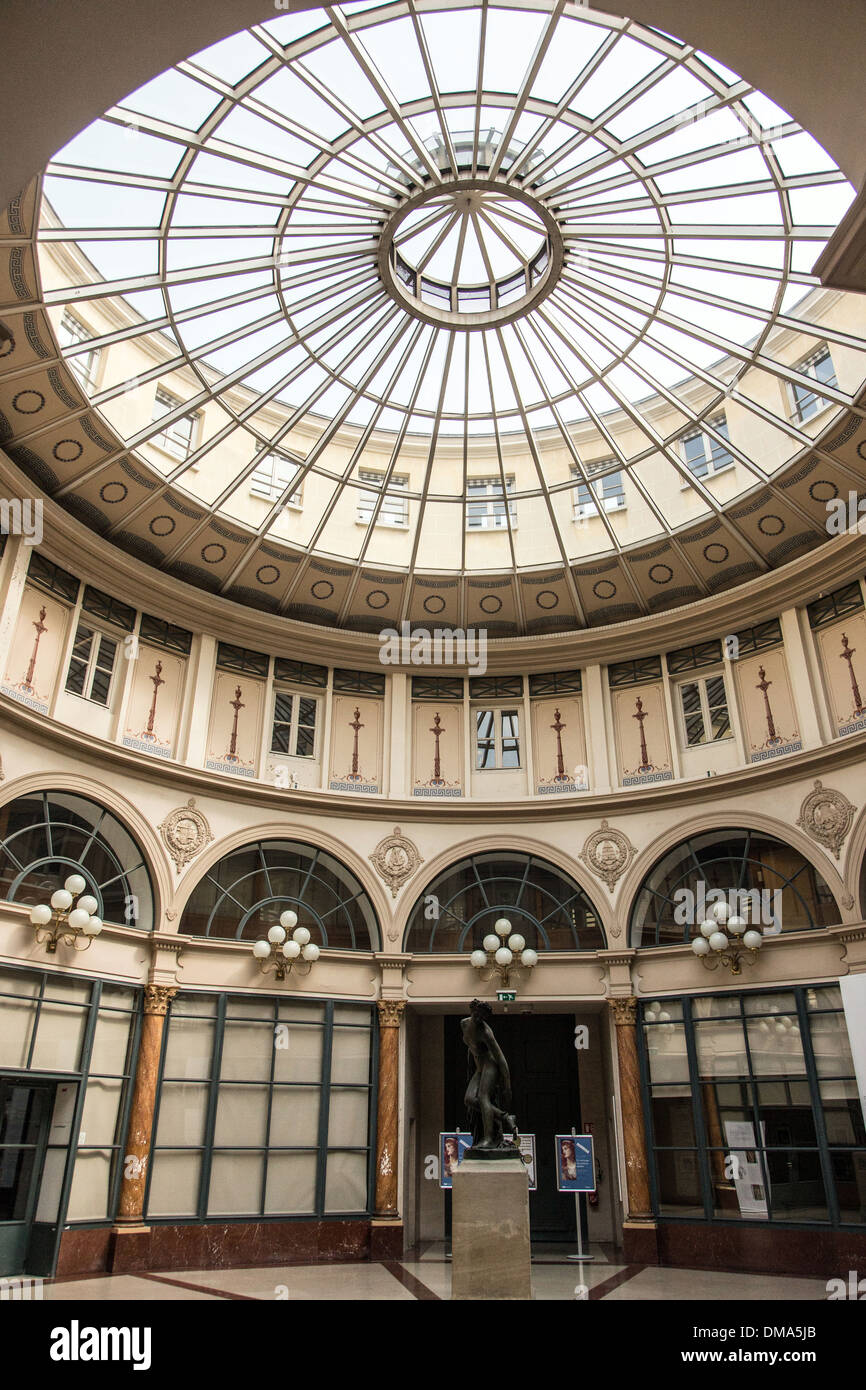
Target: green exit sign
x: 506, y: 996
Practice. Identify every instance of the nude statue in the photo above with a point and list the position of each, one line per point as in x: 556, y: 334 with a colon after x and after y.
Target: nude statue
x: 488, y: 1095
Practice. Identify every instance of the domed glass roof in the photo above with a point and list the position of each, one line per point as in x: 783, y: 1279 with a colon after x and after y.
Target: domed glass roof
x: 449, y: 287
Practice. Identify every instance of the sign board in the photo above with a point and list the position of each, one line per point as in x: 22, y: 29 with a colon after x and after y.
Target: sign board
x: 527, y: 1153
x: 575, y: 1163
x: 506, y: 996
x: 452, y: 1146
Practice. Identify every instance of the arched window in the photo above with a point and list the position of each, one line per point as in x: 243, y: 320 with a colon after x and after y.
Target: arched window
x: 543, y: 905
x: 45, y: 836
x: 245, y: 892
x: 786, y: 893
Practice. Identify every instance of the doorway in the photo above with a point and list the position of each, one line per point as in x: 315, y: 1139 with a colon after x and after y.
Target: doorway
x: 545, y: 1087
x: 25, y: 1117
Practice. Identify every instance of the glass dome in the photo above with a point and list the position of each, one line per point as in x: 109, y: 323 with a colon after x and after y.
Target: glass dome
x: 450, y: 289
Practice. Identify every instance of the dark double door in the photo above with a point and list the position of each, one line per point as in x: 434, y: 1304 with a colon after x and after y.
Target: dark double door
x: 25, y: 1117
x: 542, y: 1060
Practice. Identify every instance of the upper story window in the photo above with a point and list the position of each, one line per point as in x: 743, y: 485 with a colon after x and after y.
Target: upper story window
x: 704, y: 708
x: 497, y: 739
x: 705, y: 455
x: 177, y: 437
x: 72, y: 332
x: 486, y: 504
x: 394, y: 509
x: 294, y: 728
x: 819, y: 366
x: 273, y: 474
x: 607, y: 492
x: 91, y: 666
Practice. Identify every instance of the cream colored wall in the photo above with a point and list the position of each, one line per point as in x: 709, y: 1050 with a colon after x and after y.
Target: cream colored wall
x: 808, y: 689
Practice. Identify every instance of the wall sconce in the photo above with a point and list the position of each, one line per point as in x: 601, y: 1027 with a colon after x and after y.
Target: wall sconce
x: 74, y: 926
x: 714, y: 947
x: 499, y: 956
x: 282, y: 956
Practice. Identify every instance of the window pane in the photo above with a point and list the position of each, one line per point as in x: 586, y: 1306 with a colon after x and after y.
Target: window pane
x: 101, y: 1108
x: 298, y: 1057
x: 679, y: 1183
x: 110, y: 1042
x: 346, y: 1183
x: 189, y: 1049
x: 843, y: 1113
x: 796, y: 1185
x: 247, y: 1049
x: 59, y: 1038
x: 347, y: 1121
x: 236, y: 1184
x: 776, y: 1046
x: 350, y: 1056
x: 849, y: 1172
x: 295, y: 1117
x: 174, y: 1184
x: 291, y: 1184
x: 720, y: 1048
x: 88, y: 1199
x: 666, y: 1050
x: 831, y: 1045
x: 18, y: 1016
x: 182, y: 1114
x: 241, y: 1115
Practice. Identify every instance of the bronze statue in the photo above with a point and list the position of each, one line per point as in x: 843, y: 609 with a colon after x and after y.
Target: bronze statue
x: 488, y: 1095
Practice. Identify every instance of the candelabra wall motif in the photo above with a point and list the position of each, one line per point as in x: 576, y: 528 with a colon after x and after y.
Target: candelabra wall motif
x: 40, y: 626
x: 847, y: 654
x: 770, y: 721
x: 237, y: 705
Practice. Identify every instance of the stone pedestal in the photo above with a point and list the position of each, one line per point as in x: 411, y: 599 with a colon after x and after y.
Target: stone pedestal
x: 490, y: 1255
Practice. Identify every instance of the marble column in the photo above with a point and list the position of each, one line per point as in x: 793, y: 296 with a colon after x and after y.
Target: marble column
x: 387, y: 1138
x: 136, y: 1153
x: 639, y: 1221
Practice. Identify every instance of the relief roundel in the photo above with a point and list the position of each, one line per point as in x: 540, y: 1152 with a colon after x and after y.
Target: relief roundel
x: 395, y: 859
x: 827, y: 816
x: 608, y: 854
x: 185, y: 832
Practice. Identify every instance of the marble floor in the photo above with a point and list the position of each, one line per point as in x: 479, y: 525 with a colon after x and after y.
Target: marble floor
x: 425, y: 1275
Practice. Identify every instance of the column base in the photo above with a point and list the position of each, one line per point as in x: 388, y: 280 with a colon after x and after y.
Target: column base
x: 386, y: 1238
x: 129, y: 1249
x: 640, y: 1243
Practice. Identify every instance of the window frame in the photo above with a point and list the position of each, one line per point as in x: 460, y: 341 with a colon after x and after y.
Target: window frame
x: 700, y: 678
x: 710, y: 445
x: 368, y: 499
x: 615, y: 501
x: 294, y: 723
x: 489, y: 519
x: 499, y: 738
x: 165, y: 439
x: 268, y: 488
x: 102, y: 631
x: 820, y: 403
x: 85, y: 365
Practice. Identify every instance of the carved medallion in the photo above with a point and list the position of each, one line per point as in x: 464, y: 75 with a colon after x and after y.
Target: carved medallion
x: 395, y: 859
x: 185, y: 832
x: 607, y: 853
x: 827, y: 816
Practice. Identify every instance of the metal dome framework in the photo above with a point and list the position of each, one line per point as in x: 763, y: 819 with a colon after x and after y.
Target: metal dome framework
x: 252, y: 236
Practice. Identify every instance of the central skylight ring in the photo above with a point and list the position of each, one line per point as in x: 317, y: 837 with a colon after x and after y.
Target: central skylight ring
x: 516, y: 237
